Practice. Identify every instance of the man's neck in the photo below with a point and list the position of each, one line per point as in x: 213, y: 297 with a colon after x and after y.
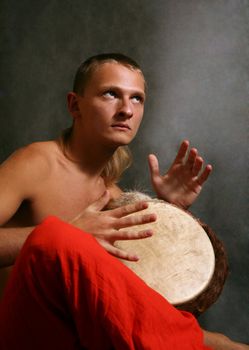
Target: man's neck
x: 90, y: 158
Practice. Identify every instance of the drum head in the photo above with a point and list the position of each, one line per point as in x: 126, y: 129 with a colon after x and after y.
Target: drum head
x: 178, y: 261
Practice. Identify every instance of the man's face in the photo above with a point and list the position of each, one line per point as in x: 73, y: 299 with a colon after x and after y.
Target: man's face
x: 112, y: 105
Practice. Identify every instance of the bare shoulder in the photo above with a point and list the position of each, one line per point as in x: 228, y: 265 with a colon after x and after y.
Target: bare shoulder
x: 28, y: 164
x: 38, y: 153
x: 21, y: 175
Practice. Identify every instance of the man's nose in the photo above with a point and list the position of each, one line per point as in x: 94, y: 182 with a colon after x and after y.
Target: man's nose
x: 126, y: 108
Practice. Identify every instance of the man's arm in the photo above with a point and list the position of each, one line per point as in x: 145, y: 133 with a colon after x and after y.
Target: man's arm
x: 183, y: 182
x: 11, y: 242
x: 18, y: 176
x: 218, y: 341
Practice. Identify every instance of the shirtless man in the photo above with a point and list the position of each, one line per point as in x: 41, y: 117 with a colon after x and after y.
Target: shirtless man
x: 71, y: 179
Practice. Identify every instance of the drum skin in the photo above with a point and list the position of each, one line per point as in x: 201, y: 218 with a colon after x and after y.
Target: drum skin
x: 184, y: 261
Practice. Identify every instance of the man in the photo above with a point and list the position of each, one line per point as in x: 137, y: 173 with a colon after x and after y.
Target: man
x: 64, y: 178
x: 74, y: 178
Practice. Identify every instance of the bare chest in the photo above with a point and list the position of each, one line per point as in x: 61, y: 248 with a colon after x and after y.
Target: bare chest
x: 63, y: 195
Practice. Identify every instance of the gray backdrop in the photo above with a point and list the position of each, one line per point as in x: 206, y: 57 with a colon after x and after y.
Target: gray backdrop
x: 195, y: 57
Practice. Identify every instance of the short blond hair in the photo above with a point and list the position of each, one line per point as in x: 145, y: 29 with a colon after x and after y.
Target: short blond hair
x: 88, y: 67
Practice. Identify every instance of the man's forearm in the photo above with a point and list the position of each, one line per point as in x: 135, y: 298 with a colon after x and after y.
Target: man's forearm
x: 11, y: 242
x: 219, y: 341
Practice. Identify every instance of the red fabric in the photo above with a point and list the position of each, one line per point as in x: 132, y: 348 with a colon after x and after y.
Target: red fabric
x: 66, y: 292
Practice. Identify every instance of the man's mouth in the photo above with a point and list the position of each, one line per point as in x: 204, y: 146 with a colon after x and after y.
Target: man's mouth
x: 121, y: 126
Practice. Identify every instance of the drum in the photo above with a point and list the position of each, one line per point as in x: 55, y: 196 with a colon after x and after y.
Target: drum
x: 183, y: 261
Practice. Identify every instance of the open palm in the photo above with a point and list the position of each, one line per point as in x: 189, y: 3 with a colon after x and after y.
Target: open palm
x: 184, y: 180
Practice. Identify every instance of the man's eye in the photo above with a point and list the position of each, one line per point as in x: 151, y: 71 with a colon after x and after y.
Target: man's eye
x: 137, y: 98
x: 110, y: 93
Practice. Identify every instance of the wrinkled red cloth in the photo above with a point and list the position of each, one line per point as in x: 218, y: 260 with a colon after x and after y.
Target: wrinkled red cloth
x: 66, y: 292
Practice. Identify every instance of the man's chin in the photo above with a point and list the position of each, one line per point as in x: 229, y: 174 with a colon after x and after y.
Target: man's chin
x: 121, y: 141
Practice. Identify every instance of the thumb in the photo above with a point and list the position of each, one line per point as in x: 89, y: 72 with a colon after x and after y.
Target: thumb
x: 100, y: 203
x: 153, y: 165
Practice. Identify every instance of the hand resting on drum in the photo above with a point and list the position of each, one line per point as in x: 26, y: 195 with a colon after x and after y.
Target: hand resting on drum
x: 110, y: 225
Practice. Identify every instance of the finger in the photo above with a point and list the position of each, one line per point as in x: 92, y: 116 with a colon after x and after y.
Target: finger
x: 205, y: 174
x: 182, y: 152
x: 153, y: 165
x: 135, y: 220
x: 117, y: 252
x: 191, y: 157
x: 121, y: 254
x: 197, y: 166
x: 122, y: 235
x: 129, y: 209
x: 100, y: 203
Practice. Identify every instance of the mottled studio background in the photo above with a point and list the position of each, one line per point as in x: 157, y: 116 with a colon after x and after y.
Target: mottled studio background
x: 195, y: 56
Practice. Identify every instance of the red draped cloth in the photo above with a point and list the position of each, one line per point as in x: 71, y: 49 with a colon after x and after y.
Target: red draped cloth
x: 66, y: 292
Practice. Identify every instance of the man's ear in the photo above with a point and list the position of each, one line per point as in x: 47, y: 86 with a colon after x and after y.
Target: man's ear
x: 72, y: 104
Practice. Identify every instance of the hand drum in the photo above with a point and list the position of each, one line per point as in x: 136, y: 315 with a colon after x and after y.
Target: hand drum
x: 183, y: 261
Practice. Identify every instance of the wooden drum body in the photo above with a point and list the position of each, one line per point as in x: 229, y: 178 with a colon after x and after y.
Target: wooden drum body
x: 184, y: 261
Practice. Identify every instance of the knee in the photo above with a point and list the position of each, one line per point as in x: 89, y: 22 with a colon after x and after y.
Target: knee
x: 54, y: 235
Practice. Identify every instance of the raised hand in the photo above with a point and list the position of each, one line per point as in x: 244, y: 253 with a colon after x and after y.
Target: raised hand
x: 183, y: 182
x: 111, y: 225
